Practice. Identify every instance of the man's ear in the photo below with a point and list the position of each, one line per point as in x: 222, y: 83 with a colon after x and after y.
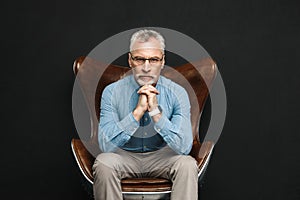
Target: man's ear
x: 129, y: 60
x: 163, y: 62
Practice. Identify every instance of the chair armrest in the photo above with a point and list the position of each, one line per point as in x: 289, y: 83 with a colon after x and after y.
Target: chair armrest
x: 83, y: 157
x: 201, y: 151
x: 205, y: 150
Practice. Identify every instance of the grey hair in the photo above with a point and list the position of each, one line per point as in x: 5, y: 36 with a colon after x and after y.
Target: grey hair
x: 144, y: 35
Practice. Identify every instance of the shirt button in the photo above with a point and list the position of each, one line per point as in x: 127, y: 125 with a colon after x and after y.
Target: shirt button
x: 158, y: 129
x: 146, y: 119
x: 145, y: 133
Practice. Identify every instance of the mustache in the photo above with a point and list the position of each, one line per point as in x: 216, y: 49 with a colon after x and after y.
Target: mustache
x: 143, y: 75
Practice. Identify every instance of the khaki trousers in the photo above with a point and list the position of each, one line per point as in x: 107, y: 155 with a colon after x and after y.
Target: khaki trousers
x: 110, y: 168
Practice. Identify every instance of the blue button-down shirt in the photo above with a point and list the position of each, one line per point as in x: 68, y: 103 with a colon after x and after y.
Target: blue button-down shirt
x: 118, y: 127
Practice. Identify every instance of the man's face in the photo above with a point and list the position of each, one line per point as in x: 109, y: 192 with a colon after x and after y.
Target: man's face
x: 146, y: 60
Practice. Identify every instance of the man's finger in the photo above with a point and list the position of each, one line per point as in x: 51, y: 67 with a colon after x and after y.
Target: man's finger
x: 150, y: 89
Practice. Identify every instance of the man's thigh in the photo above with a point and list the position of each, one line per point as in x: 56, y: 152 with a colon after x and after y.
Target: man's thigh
x: 160, y: 163
x: 122, y: 162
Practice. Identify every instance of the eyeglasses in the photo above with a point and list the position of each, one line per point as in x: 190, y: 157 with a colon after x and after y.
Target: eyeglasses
x: 137, y: 60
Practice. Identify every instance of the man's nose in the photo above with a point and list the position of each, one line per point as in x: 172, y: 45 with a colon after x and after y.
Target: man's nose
x: 146, y: 66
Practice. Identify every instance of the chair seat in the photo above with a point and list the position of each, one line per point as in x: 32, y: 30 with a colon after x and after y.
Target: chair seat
x: 86, y: 160
x: 146, y: 185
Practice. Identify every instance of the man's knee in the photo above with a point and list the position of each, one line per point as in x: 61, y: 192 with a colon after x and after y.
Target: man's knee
x: 186, y: 164
x: 105, y: 164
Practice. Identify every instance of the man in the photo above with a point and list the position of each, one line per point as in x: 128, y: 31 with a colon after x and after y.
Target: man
x: 145, y: 128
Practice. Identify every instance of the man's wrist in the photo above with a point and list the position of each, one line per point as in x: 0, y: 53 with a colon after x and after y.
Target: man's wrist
x: 138, y: 114
x: 155, y: 111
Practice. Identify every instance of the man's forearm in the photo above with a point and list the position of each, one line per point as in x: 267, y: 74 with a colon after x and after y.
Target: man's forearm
x: 112, y: 134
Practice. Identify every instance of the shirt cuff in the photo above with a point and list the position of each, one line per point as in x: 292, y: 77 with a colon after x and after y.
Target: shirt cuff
x: 162, y: 122
x: 129, y: 124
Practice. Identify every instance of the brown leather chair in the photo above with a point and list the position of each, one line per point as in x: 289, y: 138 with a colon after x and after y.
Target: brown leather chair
x: 84, y: 151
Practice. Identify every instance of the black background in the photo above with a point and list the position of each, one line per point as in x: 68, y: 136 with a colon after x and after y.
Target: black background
x: 256, y: 47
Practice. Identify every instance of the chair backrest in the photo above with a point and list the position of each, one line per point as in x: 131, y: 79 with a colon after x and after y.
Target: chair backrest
x: 94, y: 76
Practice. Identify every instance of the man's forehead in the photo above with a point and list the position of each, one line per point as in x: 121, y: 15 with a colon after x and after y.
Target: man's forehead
x: 147, y: 52
x: 146, y: 49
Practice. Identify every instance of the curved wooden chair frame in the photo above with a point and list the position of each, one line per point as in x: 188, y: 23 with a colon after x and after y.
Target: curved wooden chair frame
x: 200, y: 76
